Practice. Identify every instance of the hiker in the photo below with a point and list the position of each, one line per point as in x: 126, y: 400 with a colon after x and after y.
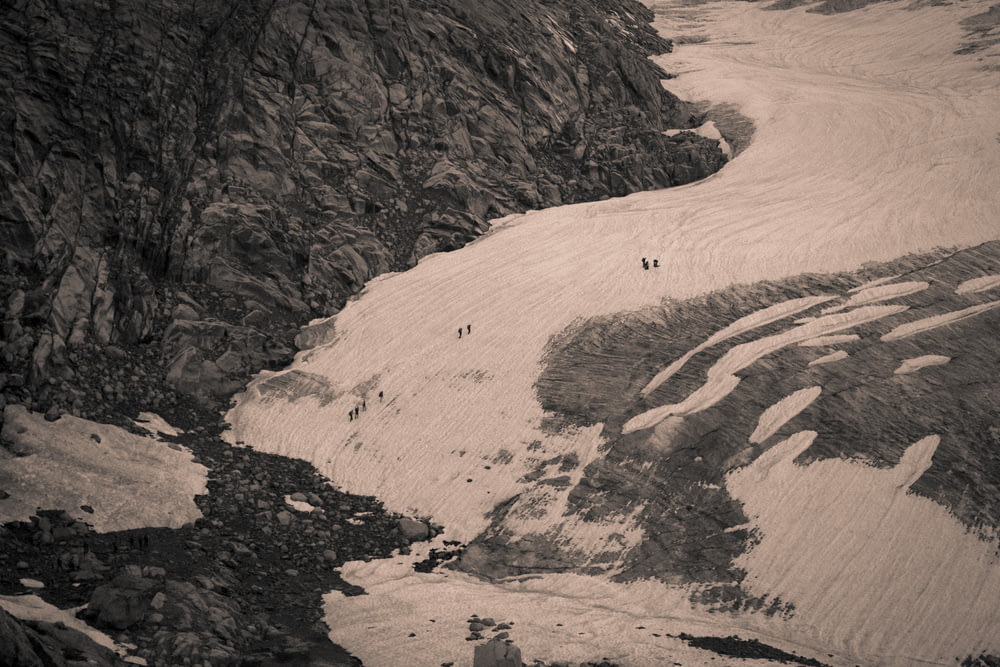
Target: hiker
x: 357, y: 411
x: 645, y: 263
x: 350, y: 415
x: 380, y: 396
x: 460, y: 332
x: 656, y: 263
x: 468, y: 328
x: 364, y: 405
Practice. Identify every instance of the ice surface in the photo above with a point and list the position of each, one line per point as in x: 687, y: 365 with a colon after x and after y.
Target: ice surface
x: 873, y: 139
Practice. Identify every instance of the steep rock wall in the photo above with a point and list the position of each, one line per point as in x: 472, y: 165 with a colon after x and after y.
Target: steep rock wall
x: 258, y: 161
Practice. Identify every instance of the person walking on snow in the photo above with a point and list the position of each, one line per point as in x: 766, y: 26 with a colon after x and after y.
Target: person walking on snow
x: 468, y: 328
x: 460, y: 332
x: 380, y: 396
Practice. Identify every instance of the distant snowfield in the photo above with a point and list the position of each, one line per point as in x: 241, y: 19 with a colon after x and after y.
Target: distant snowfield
x: 872, y: 140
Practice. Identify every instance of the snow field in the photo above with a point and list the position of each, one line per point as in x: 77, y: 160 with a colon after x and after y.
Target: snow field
x: 873, y: 140
x: 128, y: 480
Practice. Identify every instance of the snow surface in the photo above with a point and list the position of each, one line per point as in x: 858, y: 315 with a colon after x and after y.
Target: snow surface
x: 747, y: 323
x: 935, y: 321
x: 129, y: 481
x: 867, y: 563
x: 154, y: 424
x: 879, y: 293
x: 782, y: 412
x: 916, y: 363
x: 824, y: 341
x: 833, y: 356
x: 978, y: 285
x: 873, y: 139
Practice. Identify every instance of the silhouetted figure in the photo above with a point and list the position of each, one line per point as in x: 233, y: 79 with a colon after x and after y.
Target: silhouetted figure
x: 364, y: 405
x: 460, y: 332
x: 357, y: 411
x: 468, y: 328
x: 350, y: 415
x: 656, y: 263
x: 645, y: 263
x: 380, y: 397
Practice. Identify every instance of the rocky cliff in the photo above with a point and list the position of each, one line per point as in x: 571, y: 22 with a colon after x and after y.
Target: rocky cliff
x: 183, y: 184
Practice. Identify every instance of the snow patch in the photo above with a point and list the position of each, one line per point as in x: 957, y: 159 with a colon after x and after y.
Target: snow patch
x: 879, y: 293
x: 916, y: 363
x: 833, y: 356
x: 747, y: 323
x: 781, y: 412
x: 929, y: 323
x: 130, y: 481
x: 721, y: 376
x: 823, y: 341
x: 978, y: 284
x: 298, y: 505
x: 153, y: 424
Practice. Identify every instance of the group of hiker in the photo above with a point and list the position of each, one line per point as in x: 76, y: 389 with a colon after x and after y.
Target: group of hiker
x: 645, y: 263
x: 468, y: 330
x: 355, y: 412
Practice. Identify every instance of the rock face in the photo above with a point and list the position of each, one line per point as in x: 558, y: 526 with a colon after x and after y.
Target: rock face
x: 496, y: 653
x: 38, y: 644
x: 280, y: 154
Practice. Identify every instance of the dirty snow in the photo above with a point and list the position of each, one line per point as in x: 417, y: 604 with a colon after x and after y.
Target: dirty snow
x: 130, y: 481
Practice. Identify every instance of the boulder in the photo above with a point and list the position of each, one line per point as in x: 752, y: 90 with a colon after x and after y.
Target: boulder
x: 123, y: 602
x: 497, y: 653
x: 413, y: 530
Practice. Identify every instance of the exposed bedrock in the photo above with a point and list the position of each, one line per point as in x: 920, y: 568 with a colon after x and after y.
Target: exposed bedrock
x: 273, y: 155
x: 925, y: 367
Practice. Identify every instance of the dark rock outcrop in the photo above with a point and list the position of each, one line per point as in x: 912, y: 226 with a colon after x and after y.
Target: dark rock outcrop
x: 277, y: 154
x: 40, y: 644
